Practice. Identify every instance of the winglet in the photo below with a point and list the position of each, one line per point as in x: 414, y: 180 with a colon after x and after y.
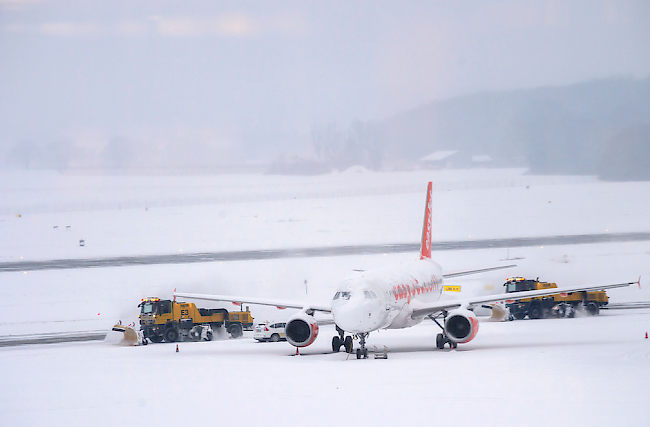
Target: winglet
x: 639, y: 282
x: 425, y: 247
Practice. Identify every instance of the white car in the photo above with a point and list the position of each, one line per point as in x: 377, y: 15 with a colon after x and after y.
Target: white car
x: 273, y: 332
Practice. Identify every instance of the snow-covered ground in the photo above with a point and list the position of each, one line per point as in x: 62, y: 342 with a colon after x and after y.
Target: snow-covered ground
x: 583, y: 371
x: 586, y: 371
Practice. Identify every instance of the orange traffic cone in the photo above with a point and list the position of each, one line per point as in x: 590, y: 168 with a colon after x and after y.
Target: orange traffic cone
x: 646, y: 335
x: 297, y: 352
x: 176, y: 348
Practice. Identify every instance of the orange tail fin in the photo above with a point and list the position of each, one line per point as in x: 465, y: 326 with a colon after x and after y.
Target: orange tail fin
x: 425, y: 247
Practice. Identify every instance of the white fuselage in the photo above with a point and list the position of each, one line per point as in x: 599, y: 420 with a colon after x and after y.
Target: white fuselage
x: 386, y: 297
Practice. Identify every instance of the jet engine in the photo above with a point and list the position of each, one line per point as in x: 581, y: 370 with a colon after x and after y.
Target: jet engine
x: 461, y: 326
x: 301, y: 330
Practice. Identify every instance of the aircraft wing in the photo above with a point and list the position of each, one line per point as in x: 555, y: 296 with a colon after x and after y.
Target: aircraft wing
x: 469, y: 303
x: 452, y: 274
x: 258, y: 301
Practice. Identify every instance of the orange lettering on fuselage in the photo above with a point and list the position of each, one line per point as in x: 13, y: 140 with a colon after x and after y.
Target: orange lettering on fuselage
x: 410, y: 290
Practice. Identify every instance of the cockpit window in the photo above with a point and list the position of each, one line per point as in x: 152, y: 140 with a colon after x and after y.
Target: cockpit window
x: 342, y: 295
x: 369, y: 294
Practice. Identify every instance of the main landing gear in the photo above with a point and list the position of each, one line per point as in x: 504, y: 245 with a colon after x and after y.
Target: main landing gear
x: 341, y: 340
x: 442, y: 339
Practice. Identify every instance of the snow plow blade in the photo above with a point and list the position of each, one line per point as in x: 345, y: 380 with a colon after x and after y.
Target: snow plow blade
x: 126, y: 335
x: 499, y: 313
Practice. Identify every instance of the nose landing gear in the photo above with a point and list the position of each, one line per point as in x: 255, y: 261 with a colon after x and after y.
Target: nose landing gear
x: 362, y: 351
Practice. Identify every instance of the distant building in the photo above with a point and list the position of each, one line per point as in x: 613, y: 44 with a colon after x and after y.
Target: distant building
x: 451, y: 159
x: 439, y: 160
x: 481, y: 160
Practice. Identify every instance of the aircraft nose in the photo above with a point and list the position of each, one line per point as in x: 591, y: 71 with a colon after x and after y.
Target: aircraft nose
x: 357, y: 318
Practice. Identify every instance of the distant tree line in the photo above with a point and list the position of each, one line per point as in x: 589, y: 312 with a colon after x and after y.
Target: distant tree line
x: 360, y: 144
x: 336, y: 149
x: 119, y: 153
x: 591, y: 128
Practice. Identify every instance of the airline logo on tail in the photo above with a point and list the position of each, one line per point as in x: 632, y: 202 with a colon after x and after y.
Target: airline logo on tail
x: 425, y: 248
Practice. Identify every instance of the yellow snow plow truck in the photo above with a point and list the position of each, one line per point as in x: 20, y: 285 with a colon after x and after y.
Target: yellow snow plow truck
x: 171, y: 321
x: 558, y: 305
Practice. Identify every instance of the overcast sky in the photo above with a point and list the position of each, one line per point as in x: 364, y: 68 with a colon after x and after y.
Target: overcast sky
x: 259, y: 73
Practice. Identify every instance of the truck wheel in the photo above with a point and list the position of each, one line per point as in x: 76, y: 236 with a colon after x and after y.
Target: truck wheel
x: 520, y: 315
x: 592, y: 308
x: 535, y: 312
x: 171, y: 335
x: 156, y: 339
x: 235, y: 331
x: 571, y: 312
x: 208, y: 336
x: 195, y: 334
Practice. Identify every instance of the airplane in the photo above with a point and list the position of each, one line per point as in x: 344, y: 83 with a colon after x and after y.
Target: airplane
x: 395, y: 297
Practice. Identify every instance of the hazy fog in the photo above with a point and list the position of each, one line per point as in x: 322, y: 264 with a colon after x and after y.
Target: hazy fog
x: 119, y: 84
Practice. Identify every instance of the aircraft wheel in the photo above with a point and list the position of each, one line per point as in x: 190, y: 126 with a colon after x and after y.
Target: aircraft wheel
x: 440, y: 341
x: 347, y: 343
x: 336, y: 343
x: 358, y: 353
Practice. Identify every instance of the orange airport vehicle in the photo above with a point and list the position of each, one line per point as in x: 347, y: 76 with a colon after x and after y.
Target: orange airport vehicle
x: 171, y: 321
x: 559, y: 305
